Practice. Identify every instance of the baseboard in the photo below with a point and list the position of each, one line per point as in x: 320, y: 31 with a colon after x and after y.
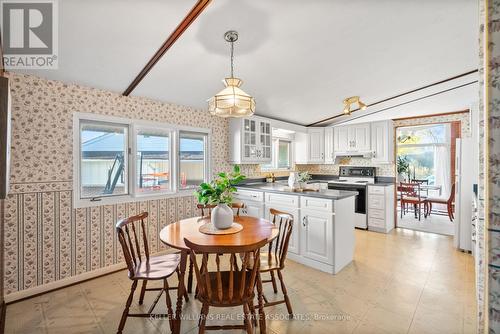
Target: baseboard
x: 16, y: 296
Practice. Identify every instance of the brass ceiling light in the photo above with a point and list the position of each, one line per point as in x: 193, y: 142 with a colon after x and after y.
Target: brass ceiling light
x: 351, y: 100
x: 231, y: 101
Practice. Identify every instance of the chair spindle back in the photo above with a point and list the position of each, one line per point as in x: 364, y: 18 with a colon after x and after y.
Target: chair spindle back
x: 129, y: 239
x: 284, y: 222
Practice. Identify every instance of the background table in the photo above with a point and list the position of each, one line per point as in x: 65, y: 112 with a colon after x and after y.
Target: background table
x: 254, y: 230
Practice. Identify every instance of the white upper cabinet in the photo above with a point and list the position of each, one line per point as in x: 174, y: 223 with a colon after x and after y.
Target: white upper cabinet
x: 316, y: 145
x: 329, y: 146
x: 382, y: 142
x: 352, y: 138
x: 249, y: 140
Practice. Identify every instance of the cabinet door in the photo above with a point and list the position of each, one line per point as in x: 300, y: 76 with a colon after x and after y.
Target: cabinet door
x: 264, y: 150
x: 341, y: 139
x: 360, y: 135
x: 382, y: 143
x: 316, y: 145
x: 253, y: 209
x: 329, y: 154
x: 250, y: 145
x: 317, y: 236
x: 293, y: 244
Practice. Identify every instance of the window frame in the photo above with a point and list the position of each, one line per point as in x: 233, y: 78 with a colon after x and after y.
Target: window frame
x: 133, y: 127
x: 207, y: 169
x: 275, y: 155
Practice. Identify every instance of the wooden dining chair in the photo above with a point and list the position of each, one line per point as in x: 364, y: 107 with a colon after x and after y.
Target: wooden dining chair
x: 143, y: 267
x: 410, y: 195
x: 226, y: 288
x: 273, y: 261
x: 206, y: 210
x: 449, y: 202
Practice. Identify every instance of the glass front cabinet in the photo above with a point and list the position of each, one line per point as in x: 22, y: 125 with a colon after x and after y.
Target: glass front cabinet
x: 250, y: 140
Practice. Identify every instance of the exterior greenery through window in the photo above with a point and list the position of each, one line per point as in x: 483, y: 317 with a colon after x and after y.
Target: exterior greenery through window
x: 119, y: 159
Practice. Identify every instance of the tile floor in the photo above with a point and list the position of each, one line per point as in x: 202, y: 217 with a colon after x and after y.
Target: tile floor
x: 435, y: 223
x: 403, y: 282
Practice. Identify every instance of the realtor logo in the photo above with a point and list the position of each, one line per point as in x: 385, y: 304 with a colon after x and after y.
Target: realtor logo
x: 29, y: 34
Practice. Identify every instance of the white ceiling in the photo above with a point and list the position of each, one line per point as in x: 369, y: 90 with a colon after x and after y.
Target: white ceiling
x: 299, y: 59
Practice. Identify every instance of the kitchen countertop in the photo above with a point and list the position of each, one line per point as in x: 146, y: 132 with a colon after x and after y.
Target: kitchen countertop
x: 283, y: 188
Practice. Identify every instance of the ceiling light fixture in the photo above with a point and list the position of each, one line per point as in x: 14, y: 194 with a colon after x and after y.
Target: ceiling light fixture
x: 231, y: 101
x: 351, y: 100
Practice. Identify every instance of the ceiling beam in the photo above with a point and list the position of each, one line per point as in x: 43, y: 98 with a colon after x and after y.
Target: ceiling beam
x: 329, y: 119
x: 179, y: 30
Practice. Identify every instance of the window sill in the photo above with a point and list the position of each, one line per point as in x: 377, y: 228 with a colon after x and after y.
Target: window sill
x: 112, y: 200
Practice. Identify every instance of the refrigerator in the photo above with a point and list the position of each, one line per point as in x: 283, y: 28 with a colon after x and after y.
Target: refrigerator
x: 464, y: 193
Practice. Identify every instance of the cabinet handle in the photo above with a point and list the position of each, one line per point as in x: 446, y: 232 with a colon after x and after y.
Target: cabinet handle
x: 304, y: 221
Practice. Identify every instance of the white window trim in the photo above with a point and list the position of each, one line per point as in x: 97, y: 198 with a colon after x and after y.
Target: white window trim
x: 133, y: 126
x: 208, y: 159
x: 274, y: 155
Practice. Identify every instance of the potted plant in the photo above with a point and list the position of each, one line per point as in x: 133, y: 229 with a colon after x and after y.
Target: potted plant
x: 303, y: 178
x: 219, y: 192
x: 403, y: 166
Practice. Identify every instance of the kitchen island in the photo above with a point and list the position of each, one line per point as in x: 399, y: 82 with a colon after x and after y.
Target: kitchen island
x: 323, y: 231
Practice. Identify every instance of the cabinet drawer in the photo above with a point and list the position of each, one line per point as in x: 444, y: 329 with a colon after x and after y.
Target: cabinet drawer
x: 282, y: 200
x: 376, y: 202
x: 313, y: 203
x: 374, y: 222
x: 375, y: 213
x: 376, y: 190
x: 249, y: 195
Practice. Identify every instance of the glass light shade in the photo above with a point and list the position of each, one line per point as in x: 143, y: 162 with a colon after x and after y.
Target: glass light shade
x: 231, y: 101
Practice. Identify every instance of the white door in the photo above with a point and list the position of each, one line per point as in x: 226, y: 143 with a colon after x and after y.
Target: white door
x: 250, y: 145
x: 360, y: 135
x: 264, y: 150
x: 293, y: 244
x: 341, y: 139
x: 316, y: 145
x: 329, y: 153
x: 317, y: 236
x: 253, y: 209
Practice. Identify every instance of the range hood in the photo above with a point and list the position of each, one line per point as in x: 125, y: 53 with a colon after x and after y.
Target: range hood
x: 363, y: 154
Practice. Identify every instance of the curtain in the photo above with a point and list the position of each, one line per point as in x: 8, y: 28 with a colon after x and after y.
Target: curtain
x: 442, y: 169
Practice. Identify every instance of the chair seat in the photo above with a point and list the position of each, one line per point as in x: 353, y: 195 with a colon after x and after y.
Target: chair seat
x: 414, y: 199
x: 437, y: 200
x: 226, y: 301
x: 158, y: 267
x: 269, y: 262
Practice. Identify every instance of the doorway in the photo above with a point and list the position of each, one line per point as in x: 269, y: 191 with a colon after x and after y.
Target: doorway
x: 425, y: 172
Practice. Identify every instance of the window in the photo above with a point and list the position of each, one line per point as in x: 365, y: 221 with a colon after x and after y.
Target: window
x: 119, y: 160
x: 104, y: 159
x: 192, y: 159
x: 153, y: 161
x: 281, y: 155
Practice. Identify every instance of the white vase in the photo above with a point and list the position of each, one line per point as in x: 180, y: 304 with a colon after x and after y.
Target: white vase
x: 222, y: 216
x: 293, y: 180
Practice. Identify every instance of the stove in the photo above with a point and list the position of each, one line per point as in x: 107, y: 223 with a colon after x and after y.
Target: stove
x: 356, y: 179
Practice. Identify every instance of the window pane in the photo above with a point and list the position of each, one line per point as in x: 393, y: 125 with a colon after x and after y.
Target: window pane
x: 283, y: 154
x: 428, y: 134
x: 103, y: 162
x: 192, y: 159
x: 153, y: 162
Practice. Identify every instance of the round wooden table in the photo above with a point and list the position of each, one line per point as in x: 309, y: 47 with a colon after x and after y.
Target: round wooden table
x: 254, y: 230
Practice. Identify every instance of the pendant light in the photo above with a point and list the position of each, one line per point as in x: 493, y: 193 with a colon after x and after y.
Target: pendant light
x: 352, y: 100
x: 231, y: 101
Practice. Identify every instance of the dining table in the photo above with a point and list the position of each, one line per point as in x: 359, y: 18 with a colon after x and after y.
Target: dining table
x: 254, y: 230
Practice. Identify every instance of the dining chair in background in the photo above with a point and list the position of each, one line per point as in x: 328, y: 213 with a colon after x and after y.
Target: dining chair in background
x: 273, y: 261
x: 449, y: 202
x: 227, y: 288
x: 411, y: 195
x: 132, y: 232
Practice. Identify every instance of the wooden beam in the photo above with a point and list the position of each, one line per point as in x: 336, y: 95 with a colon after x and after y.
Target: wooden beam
x: 179, y: 30
x: 400, y: 95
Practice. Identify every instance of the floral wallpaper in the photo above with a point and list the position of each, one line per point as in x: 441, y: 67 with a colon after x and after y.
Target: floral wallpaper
x: 46, y: 239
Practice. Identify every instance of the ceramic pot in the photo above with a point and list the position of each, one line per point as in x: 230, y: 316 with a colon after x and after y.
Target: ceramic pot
x: 293, y: 180
x: 222, y: 216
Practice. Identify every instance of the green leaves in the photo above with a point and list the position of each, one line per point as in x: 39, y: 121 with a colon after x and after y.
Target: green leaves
x: 220, y: 189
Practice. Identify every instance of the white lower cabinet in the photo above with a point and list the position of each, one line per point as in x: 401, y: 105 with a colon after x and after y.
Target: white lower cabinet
x: 317, y: 235
x: 293, y: 244
x: 253, y: 200
x: 253, y: 209
x: 381, y: 208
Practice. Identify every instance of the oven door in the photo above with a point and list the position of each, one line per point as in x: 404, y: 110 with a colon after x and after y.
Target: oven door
x: 360, y: 203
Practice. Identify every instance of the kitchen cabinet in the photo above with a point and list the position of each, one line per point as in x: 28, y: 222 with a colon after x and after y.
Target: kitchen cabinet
x: 329, y: 146
x: 253, y: 200
x: 317, y: 236
x: 250, y: 140
x: 382, y: 142
x: 352, y: 138
x: 316, y: 145
x: 381, y: 208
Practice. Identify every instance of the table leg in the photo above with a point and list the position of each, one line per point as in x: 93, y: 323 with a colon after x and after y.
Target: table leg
x: 260, y: 299
x: 181, y: 289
